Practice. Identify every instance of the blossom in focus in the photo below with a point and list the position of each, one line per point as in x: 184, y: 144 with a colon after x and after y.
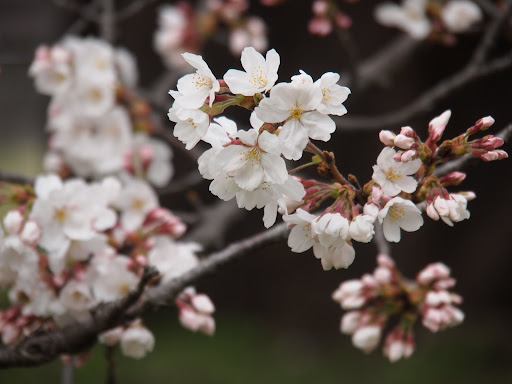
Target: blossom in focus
x: 395, y: 176
x: 399, y: 214
x: 260, y: 73
x: 197, y: 87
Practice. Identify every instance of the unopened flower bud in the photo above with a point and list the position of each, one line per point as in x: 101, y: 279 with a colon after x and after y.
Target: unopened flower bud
x: 387, y: 138
x: 403, y: 142
x: 137, y: 342
x: 407, y: 132
x: 203, y: 304
x: 31, y: 233
x: 452, y: 179
x: 13, y: 221
x: 439, y: 123
x: 350, y: 322
x: 111, y: 337
x: 367, y: 338
x: 484, y: 123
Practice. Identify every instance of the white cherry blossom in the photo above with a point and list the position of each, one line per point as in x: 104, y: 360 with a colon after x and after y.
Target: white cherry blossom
x: 196, y: 87
x: 135, y: 201
x: 395, y: 176
x: 301, y: 237
x: 294, y: 104
x: 361, y: 228
x: 137, y: 341
x: 260, y: 73
x: 333, y: 95
x: 399, y: 213
x: 191, y: 125
x: 256, y: 159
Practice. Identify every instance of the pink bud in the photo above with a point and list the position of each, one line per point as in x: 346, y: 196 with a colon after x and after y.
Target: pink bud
x: 203, y: 304
x: 342, y: 20
x: 350, y: 322
x: 431, y: 212
x: 440, y: 121
x: 409, y: 155
x: 31, y: 233
x: 320, y: 7
x: 13, y: 221
x: 404, y: 142
x: 453, y: 178
x: 490, y: 156
x: 385, y: 261
x: 320, y: 26
x: 484, y: 123
x: 408, y: 132
x: 387, y: 138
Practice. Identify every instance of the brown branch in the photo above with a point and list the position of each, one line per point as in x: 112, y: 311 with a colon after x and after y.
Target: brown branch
x: 489, y: 38
x: 15, y: 178
x: 427, y: 100
x: 42, y: 348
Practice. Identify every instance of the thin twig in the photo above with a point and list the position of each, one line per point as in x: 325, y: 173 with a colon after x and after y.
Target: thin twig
x: 380, y: 241
x: 107, y: 21
x: 427, y: 100
x: 489, y: 38
x: 132, y: 9
x: 111, y: 365
x: 67, y: 373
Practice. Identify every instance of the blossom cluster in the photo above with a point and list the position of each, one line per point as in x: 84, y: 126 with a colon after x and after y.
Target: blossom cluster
x: 249, y: 164
x: 186, y: 28
x: 385, y: 305
x: 98, y: 126
x: 70, y: 245
x: 423, y: 19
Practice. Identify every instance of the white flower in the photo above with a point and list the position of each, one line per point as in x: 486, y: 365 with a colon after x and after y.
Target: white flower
x: 126, y: 66
x: 109, y: 276
x: 191, y: 124
x: 367, y: 338
x: 460, y: 15
x: 76, y: 298
x: 219, y: 134
x: 341, y: 256
x: 260, y: 73
x: 256, y: 159
x: 136, y: 200
x: 301, y: 236
x: 195, y: 88
x: 52, y: 70
x: 195, y: 321
x: 333, y: 94
x: 394, y: 176
x: 361, y: 228
x: 399, y: 213
x: 253, y: 34
x: 172, y: 259
x: 331, y: 229
x: 350, y: 322
x: 449, y: 210
x: 137, y: 341
x: 93, y: 147
x: 410, y: 17
x: 169, y: 37
x: 295, y: 104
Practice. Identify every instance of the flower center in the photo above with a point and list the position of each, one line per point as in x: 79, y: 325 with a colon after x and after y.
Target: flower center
x: 252, y: 157
x: 326, y: 92
x: 296, y: 112
x: 201, y: 81
x: 192, y: 123
x: 258, y: 78
x: 396, y: 213
x: 392, y: 174
x: 60, y: 214
x: 138, y: 204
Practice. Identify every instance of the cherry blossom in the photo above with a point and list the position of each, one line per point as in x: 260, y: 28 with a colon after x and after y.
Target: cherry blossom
x: 410, y: 17
x: 399, y: 213
x: 260, y: 73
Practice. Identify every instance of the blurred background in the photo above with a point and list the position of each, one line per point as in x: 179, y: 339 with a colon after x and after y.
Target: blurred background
x: 276, y: 322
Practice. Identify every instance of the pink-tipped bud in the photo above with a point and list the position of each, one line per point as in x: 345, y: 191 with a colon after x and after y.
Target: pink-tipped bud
x: 385, y: 261
x: 203, y: 304
x: 408, y: 132
x: 431, y: 212
x: 320, y: 7
x: 342, y: 20
x: 409, y: 155
x: 440, y: 121
x: 489, y: 156
x: 484, y: 123
x: 31, y: 233
x: 452, y: 179
x: 387, y: 138
x: 403, y: 142
x: 320, y: 25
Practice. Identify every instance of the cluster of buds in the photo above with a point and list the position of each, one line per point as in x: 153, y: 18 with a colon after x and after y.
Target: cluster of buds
x: 98, y: 126
x: 326, y: 13
x: 437, y: 21
x: 385, y: 305
x: 196, y: 311
x: 186, y: 28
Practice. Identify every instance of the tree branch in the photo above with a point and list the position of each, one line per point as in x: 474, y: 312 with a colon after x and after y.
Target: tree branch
x: 15, y: 178
x: 41, y: 348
